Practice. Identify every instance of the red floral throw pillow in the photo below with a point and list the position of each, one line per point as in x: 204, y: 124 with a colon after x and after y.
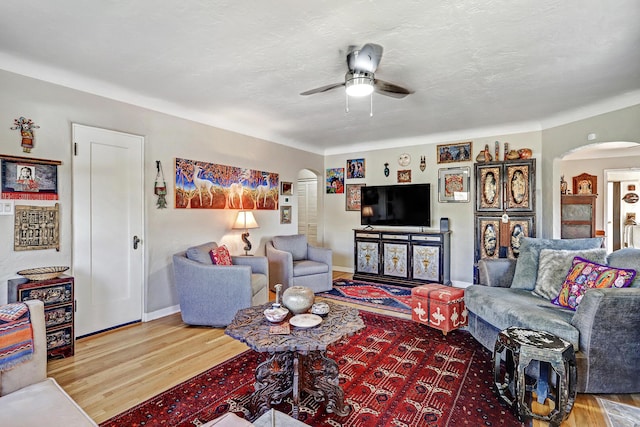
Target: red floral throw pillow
x: 220, y: 256
x: 585, y: 275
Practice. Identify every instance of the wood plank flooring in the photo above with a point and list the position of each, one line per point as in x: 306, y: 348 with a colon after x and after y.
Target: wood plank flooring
x: 115, y: 370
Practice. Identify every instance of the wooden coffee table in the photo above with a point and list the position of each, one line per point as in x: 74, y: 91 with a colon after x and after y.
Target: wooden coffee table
x: 297, y: 361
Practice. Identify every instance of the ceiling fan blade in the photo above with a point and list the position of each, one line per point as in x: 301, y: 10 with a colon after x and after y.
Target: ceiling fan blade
x: 390, y: 89
x: 368, y: 58
x: 322, y: 89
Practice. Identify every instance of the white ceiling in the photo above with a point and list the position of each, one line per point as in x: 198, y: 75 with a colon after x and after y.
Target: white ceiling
x: 477, y: 67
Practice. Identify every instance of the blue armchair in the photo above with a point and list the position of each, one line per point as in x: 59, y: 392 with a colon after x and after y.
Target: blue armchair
x: 294, y: 262
x: 210, y: 295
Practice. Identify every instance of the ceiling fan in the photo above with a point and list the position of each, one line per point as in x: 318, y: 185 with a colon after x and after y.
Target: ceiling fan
x: 360, y: 78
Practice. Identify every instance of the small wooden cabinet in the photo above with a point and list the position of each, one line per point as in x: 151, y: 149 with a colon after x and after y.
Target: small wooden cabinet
x: 59, y: 310
x: 406, y: 258
x: 577, y: 216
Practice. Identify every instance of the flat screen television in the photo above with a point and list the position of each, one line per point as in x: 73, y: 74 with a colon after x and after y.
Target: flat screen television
x: 397, y: 205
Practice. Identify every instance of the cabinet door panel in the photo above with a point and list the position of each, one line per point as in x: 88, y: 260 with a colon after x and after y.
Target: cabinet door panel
x: 488, y: 237
x: 519, y: 191
x: 577, y: 212
x: 426, y: 263
x: 50, y: 295
x: 367, y: 257
x: 59, y: 338
x: 519, y: 227
x: 488, y: 188
x: 395, y: 259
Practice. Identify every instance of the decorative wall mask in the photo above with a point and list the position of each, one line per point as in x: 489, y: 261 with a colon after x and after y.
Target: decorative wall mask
x: 630, y: 198
x: 26, y: 127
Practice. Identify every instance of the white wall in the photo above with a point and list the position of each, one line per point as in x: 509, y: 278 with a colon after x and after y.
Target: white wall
x: 619, y: 125
x: 169, y: 230
x: 340, y: 223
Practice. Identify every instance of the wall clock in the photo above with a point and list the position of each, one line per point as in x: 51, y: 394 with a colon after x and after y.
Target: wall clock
x: 404, y: 159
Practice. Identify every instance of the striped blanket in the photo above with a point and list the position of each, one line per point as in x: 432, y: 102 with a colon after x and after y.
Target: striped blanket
x: 16, y: 335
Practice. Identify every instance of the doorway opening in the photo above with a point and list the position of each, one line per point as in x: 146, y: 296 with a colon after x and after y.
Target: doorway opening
x: 309, y: 206
x: 624, y: 213
x: 615, y: 163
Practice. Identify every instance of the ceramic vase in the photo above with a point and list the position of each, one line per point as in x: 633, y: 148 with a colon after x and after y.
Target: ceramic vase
x: 298, y: 299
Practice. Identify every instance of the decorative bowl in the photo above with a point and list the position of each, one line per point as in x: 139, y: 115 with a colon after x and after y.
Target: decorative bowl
x: 298, y: 299
x: 276, y: 314
x: 320, y: 308
x: 43, y: 273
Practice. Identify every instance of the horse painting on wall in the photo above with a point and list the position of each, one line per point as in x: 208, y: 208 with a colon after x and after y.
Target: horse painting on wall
x: 202, y: 185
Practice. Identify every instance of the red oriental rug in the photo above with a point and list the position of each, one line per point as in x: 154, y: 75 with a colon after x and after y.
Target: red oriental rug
x: 394, y: 373
x: 388, y: 297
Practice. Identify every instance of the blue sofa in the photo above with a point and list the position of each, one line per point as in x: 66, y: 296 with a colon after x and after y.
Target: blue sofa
x: 604, y: 329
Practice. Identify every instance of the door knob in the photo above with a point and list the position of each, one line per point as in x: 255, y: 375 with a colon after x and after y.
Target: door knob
x: 136, y: 240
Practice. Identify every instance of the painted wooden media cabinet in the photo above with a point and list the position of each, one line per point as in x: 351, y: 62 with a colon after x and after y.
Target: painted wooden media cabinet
x: 410, y: 258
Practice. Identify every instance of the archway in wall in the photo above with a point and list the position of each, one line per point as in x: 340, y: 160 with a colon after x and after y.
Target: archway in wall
x: 614, y: 163
x: 309, y: 206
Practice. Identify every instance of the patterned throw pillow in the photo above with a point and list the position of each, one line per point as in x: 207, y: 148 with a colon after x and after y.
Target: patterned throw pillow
x: 586, y: 275
x: 554, y: 265
x: 220, y: 256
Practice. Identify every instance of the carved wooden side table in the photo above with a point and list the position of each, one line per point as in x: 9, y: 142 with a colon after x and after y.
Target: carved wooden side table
x: 297, y: 361
x: 521, y: 347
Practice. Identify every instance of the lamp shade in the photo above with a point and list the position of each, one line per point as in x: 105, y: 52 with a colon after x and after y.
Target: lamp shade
x: 245, y: 220
x: 367, y: 211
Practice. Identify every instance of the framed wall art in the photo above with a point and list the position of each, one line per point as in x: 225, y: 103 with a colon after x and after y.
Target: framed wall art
x: 353, y: 197
x: 404, y: 176
x: 285, y: 214
x: 25, y: 178
x: 36, y: 227
x: 335, y: 181
x: 202, y: 185
x: 355, y: 168
x: 585, y: 184
x: 286, y: 188
x: 458, y: 152
x: 453, y: 184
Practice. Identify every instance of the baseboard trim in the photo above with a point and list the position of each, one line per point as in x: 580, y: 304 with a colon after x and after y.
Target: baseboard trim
x: 146, y: 317
x: 343, y: 269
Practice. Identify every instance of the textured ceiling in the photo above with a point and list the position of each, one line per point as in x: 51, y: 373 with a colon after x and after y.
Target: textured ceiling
x: 476, y: 66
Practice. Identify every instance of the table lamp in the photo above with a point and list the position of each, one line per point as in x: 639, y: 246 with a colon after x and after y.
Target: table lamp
x: 245, y: 221
x: 367, y: 212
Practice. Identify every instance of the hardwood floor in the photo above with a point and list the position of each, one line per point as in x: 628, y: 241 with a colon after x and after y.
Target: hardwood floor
x: 116, y: 370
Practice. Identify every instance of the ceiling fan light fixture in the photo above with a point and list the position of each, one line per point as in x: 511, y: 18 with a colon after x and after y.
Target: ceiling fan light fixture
x: 359, y: 84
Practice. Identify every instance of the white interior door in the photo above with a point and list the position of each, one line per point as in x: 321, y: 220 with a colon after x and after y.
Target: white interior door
x: 308, y: 209
x: 107, y: 217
